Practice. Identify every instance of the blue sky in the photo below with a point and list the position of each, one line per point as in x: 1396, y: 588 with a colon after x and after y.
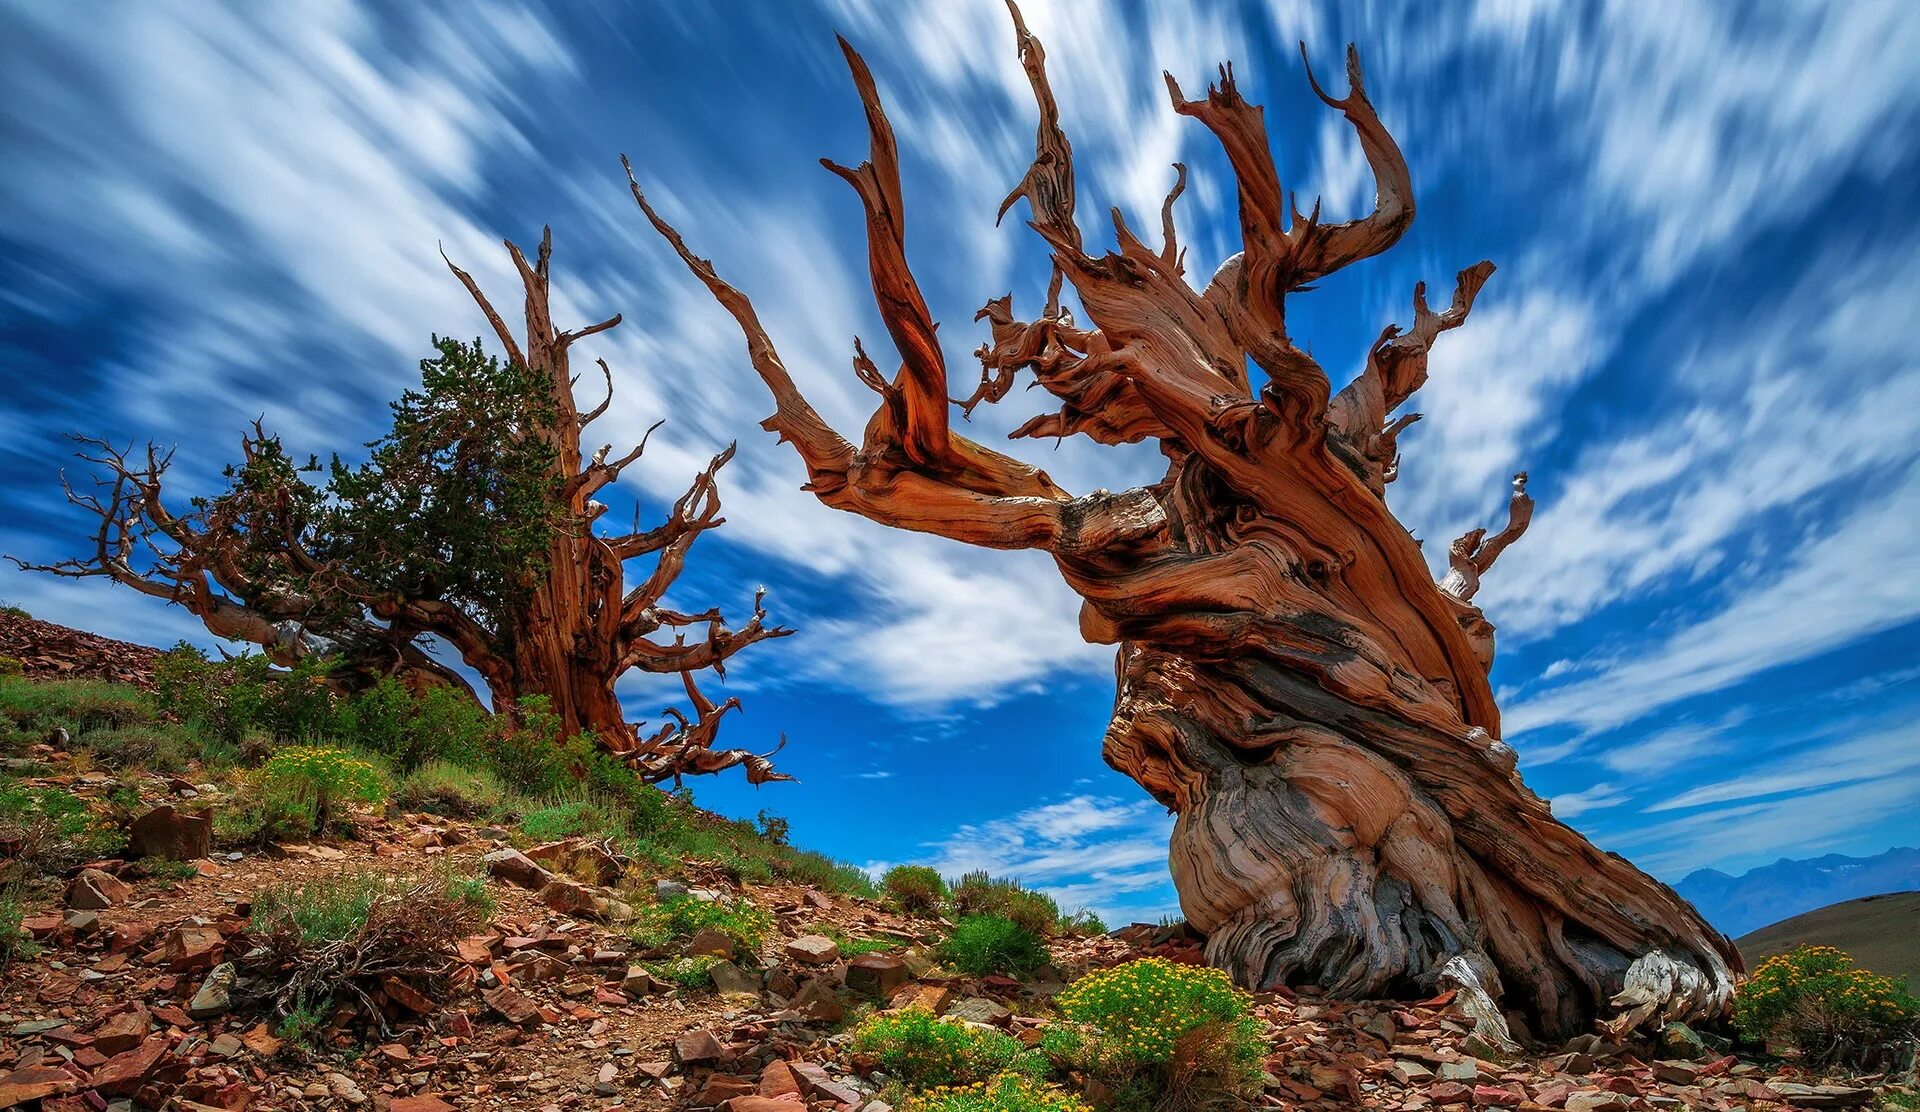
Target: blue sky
x: 1698, y: 343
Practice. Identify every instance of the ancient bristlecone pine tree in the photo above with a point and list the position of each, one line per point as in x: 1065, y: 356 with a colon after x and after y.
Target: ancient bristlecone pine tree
x: 475, y: 521
x: 1291, y: 680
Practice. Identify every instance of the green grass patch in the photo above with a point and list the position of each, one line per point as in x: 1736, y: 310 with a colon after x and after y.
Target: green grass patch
x: 679, y: 918
x: 924, y: 1051
x: 984, y: 944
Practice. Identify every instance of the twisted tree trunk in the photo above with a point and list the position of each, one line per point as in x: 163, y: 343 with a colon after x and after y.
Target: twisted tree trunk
x: 1291, y: 680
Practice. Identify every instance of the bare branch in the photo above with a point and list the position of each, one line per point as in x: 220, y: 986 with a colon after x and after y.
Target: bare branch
x: 1470, y: 556
x: 500, y: 329
x: 685, y: 748
x: 593, y: 414
x: 1396, y: 368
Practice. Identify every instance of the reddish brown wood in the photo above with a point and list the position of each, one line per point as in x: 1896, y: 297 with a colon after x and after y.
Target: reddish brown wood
x: 582, y: 626
x: 1292, y: 682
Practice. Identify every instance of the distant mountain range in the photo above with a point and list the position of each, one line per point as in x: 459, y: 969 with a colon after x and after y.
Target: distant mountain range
x: 1770, y: 893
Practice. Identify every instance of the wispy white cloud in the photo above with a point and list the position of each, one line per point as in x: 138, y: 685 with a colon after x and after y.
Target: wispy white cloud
x: 1596, y: 798
x: 1891, y: 754
x: 1859, y: 577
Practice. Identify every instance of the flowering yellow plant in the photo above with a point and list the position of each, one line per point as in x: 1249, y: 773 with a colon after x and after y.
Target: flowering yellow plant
x: 1815, y: 998
x: 1009, y: 1092
x: 318, y: 779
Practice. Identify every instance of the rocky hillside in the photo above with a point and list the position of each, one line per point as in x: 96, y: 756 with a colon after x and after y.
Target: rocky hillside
x: 1770, y: 893
x: 439, y: 946
x: 551, y: 1004
x: 44, y: 650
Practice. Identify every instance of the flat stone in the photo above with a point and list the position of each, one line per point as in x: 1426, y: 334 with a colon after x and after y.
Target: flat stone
x: 1820, y: 1096
x: 817, y: 1001
x: 1463, y: 1070
x: 216, y: 993
x: 978, y: 1009
x: 813, y: 949
x: 34, y: 1082
x: 511, y: 1005
x: 191, y: 947
x: 707, y: 940
x: 698, y: 1047
x: 124, y: 1073
x: 93, y: 890
x: 730, y: 978
x: 419, y: 1104
x: 517, y: 868
x: 123, y: 1031
x: 921, y: 994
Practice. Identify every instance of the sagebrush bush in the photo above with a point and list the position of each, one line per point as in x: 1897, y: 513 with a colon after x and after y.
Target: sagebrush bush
x: 977, y: 893
x: 1035, y: 911
x: 1083, y: 923
x: 228, y: 699
x: 576, y: 818
x: 983, y: 944
x: 691, y: 972
x: 921, y: 1050
x: 77, y: 706
x: 318, y: 785
x: 53, y: 830
x: 1009, y: 1092
x: 441, y: 788
x: 678, y: 918
x: 1183, y: 1032
x: 1815, y: 999
x: 339, y: 938
x: 916, y: 888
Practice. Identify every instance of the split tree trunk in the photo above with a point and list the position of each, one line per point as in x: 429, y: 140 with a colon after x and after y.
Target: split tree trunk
x: 1291, y: 680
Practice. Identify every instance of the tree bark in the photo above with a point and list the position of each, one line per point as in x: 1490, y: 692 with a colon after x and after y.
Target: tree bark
x: 1290, y: 679
x: 245, y: 564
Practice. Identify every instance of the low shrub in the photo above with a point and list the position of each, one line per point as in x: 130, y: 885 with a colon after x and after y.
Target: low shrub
x: 1816, y: 1000
x: 442, y: 788
x: 1035, y: 911
x: 980, y: 894
x: 976, y: 893
x: 916, y: 888
x: 1180, y: 1033
x: 53, y: 830
x: 75, y: 705
x: 1083, y: 924
x: 231, y: 698
x: 576, y: 818
x: 983, y: 944
x: 338, y: 938
x: 319, y: 782
x: 13, y: 938
x: 408, y: 730
x: 922, y: 1050
x: 678, y: 918
x: 159, y: 747
x: 694, y: 972
x: 1009, y: 1092
x: 824, y: 872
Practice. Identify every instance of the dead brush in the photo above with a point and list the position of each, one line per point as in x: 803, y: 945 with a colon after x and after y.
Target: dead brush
x: 341, y: 939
